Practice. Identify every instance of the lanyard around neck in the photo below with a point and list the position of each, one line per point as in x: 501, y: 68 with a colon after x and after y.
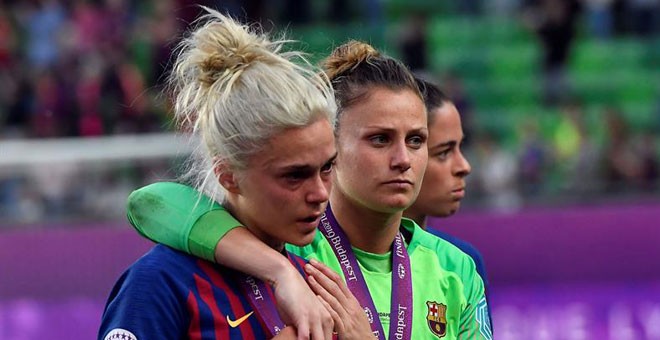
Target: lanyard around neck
x: 401, y: 301
x: 262, y: 303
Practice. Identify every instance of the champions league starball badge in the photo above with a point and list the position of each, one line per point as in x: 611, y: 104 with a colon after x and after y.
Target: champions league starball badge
x: 370, y: 315
x: 120, y: 334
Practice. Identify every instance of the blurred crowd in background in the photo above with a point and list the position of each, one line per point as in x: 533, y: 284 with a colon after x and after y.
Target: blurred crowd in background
x: 560, y: 99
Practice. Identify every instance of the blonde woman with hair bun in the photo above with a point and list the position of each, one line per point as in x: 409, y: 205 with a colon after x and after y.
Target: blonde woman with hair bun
x: 408, y: 283
x: 262, y: 121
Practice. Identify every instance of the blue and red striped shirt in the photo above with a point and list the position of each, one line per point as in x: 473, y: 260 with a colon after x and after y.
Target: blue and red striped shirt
x: 167, y: 294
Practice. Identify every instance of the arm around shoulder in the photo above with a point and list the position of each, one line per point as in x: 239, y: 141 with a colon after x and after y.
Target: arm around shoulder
x: 180, y: 217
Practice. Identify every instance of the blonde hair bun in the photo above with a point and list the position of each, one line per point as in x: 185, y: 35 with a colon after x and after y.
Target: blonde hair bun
x: 226, y: 49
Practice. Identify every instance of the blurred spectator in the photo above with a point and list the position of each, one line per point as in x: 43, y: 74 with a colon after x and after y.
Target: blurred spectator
x: 468, y: 7
x: 49, y: 115
x: 656, y: 112
x: 599, y: 17
x: 576, y: 155
x: 88, y: 95
x: 643, y: 16
x: 117, y: 19
x: 631, y: 162
x: 9, y: 188
x: 496, y: 174
x: 162, y: 29
x: 7, y: 40
x: 87, y: 20
x: 43, y: 26
x: 554, y: 23
x: 372, y: 10
x: 54, y: 184
x: 532, y: 160
x: 16, y: 94
x: 650, y: 162
x: 413, y: 43
x: 297, y: 11
x: 345, y: 11
x: 453, y: 85
x: 502, y: 8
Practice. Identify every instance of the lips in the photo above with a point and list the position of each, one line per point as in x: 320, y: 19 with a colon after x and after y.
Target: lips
x: 309, y: 224
x: 311, y: 218
x: 399, y: 181
x: 459, y: 192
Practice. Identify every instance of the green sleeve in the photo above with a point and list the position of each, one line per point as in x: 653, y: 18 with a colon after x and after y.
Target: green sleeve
x: 475, y: 318
x: 180, y: 217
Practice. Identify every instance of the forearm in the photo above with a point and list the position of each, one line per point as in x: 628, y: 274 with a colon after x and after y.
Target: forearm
x: 239, y: 249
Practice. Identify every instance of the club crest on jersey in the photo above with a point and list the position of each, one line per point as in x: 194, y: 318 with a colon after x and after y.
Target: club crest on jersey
x: 437, y: 318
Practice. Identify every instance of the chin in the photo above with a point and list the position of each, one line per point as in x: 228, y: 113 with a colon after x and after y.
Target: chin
x: 397, y: 207
x: 446, y: 212
x: 302, y: 239
x: 442, y: 214
x: 452, y: 210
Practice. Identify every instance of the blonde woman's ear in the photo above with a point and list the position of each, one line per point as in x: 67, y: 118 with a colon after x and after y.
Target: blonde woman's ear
x: 226, y: 176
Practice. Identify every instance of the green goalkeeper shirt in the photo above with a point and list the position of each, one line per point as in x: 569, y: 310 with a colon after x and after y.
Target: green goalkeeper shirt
x: 448, y: 294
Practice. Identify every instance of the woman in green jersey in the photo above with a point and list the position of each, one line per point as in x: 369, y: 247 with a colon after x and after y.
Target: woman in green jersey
x: 382, y: 155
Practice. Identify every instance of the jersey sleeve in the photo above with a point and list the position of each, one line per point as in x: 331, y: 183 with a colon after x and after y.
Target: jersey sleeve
x: 473, y: 252
x: 180, y: 217
x: 141, y: 306
x: 475, y: 317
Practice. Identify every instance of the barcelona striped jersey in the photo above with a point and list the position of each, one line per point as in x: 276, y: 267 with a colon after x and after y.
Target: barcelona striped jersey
x: 167, y: 294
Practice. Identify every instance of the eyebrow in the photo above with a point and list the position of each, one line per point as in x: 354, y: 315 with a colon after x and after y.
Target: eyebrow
x: 450, y: 143
x: 389, y: 129
x: 306, y: 167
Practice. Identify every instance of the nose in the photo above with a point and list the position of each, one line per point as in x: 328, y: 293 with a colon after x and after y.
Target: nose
x: 462, y: 167
x: 319, y: 190
x: 400, y: 157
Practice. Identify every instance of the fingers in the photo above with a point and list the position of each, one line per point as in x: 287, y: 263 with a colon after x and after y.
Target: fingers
x: 338, y: 322
x: 318, y: 324
x: 328, y: 321
x: 303, y: 330
x: 324, y: 286
x: 319, y: 333
x: 298, y: 305
x: 330, y: 280
x: 326, y: 294
x: 331, y: 274
x: 322, y: 324
x: 336, y: 309
x: 350, y: 320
